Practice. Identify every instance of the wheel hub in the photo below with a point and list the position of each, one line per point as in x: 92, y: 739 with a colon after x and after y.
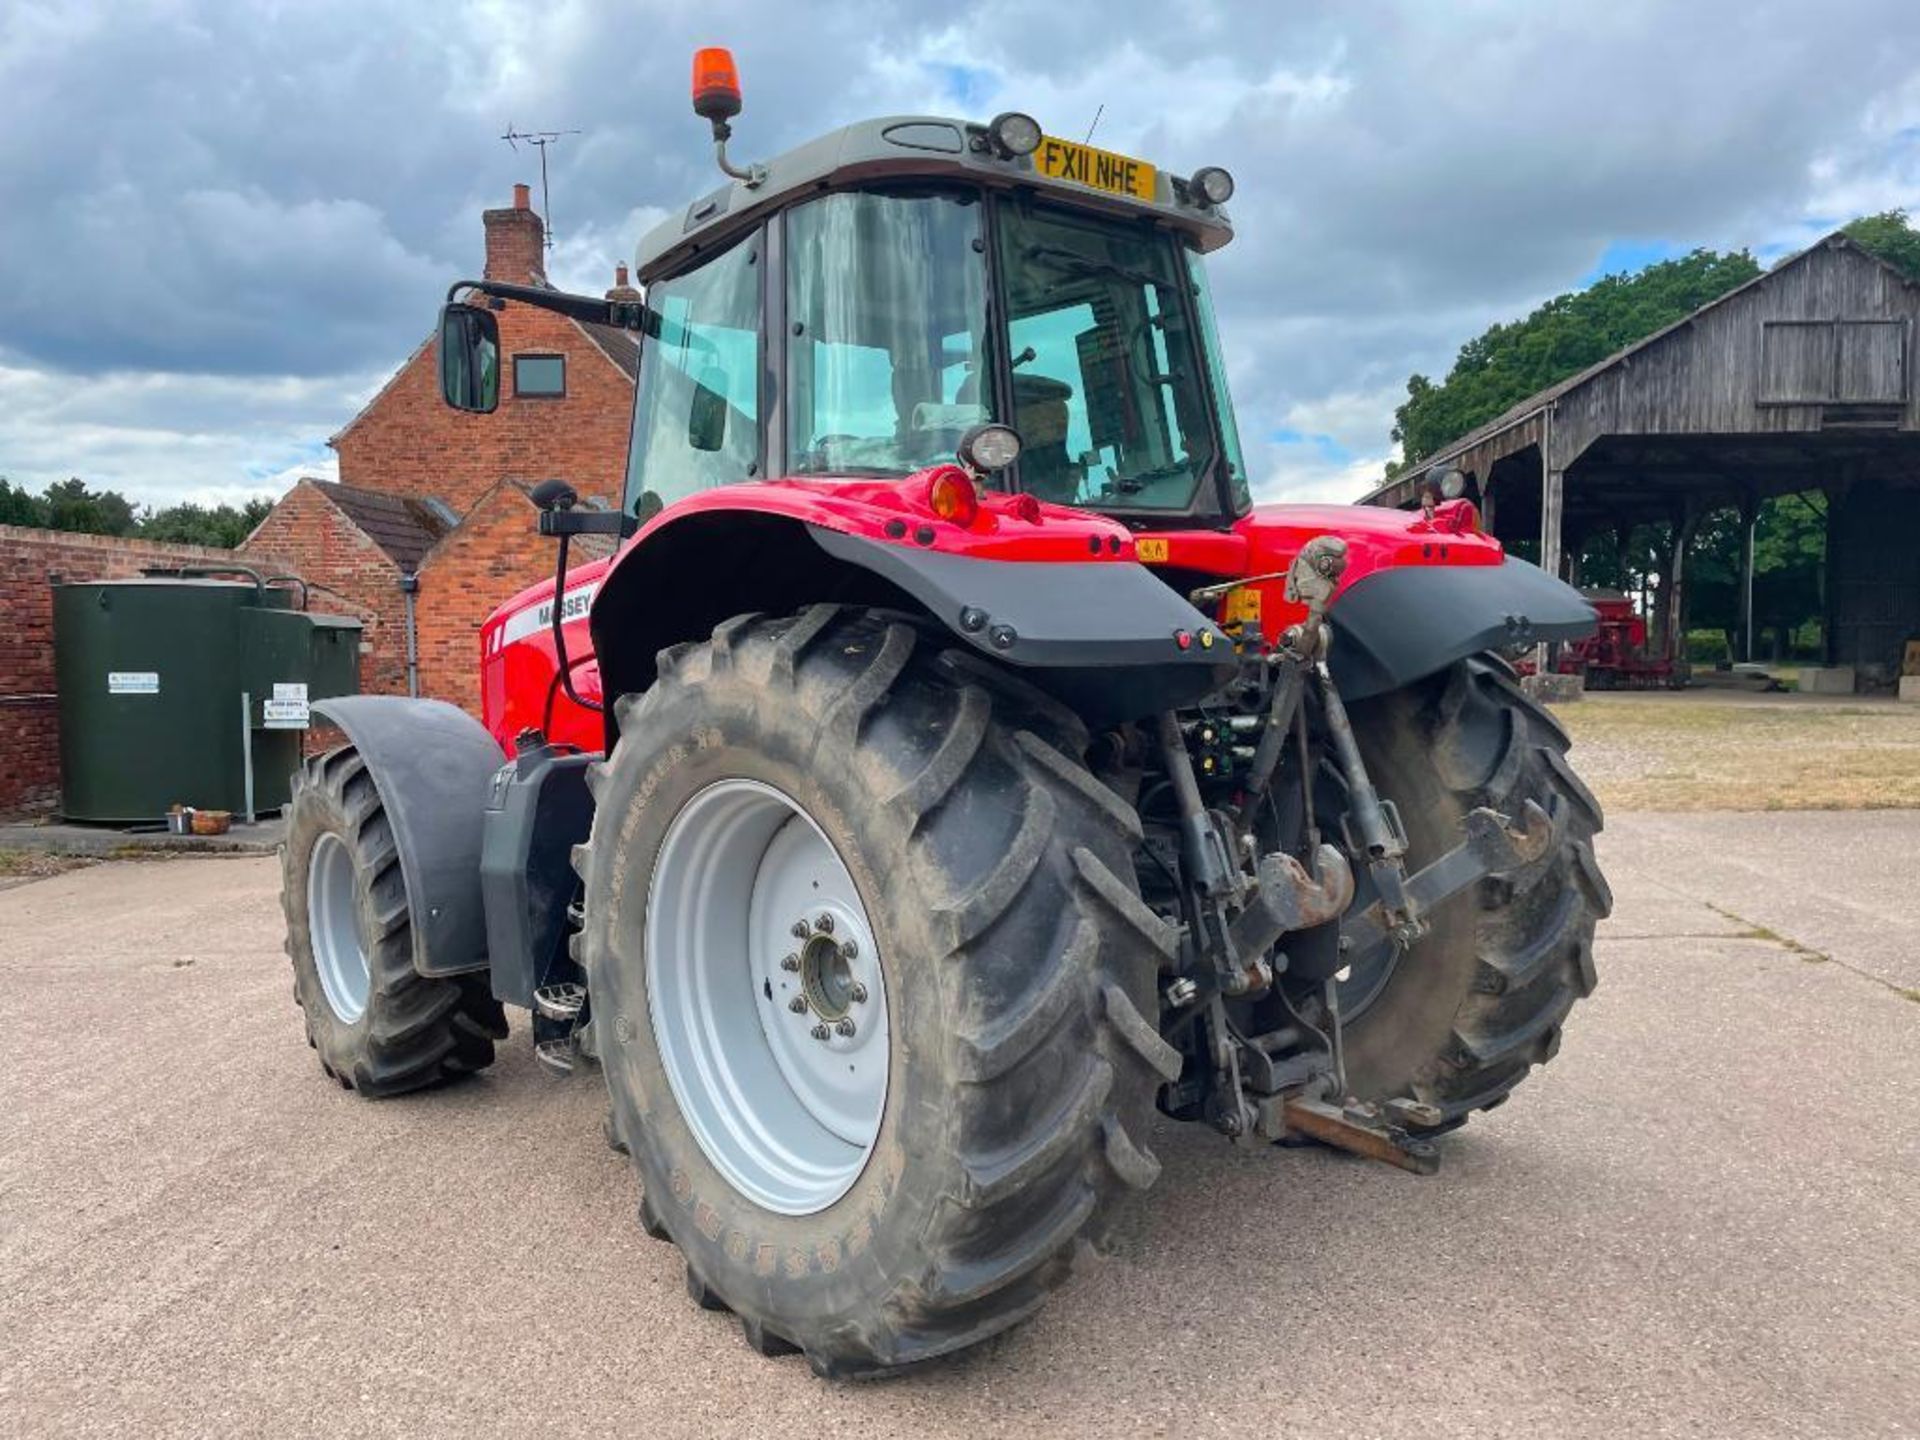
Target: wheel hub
x: 766, y: 996
x: 826, y: 977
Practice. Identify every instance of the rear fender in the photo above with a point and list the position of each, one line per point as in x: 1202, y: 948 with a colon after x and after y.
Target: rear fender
x: 1098, y: 634
x: 432, y: 764
x: 1394, y: 626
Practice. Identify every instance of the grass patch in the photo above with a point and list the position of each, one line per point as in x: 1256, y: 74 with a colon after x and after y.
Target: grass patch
x: 37, y: 864
x: 1742, y: 752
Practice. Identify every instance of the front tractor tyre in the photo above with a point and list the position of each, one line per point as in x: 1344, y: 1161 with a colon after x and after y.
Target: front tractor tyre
x: 378, y: 1025
x: 872, y: 985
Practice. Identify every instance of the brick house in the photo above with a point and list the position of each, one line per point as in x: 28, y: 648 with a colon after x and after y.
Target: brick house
x: 436, y: 500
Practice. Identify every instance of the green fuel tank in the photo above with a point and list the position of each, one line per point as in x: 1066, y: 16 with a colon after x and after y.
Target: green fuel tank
x: 167, y: 685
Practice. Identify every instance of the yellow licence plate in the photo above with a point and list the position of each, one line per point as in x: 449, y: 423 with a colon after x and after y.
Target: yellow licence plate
x: 1096, y: 169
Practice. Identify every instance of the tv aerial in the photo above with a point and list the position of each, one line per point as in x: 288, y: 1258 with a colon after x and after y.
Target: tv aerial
x: 540, y: 140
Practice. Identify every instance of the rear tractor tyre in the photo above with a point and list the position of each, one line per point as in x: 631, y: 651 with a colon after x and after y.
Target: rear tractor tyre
x: 379, y: 1026
x: 872, y: 984
x: 1463, y: 1016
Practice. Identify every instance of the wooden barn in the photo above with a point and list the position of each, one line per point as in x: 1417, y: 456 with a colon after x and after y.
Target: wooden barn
x: 1799, y: 381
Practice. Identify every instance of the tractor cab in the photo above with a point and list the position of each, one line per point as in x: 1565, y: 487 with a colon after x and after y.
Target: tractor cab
x: 854, y: 308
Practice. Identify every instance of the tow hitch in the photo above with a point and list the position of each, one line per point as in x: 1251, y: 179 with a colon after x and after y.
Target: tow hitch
x: 1494, y: 845
x: 1283, y: 1084
x: 1375, y: 1132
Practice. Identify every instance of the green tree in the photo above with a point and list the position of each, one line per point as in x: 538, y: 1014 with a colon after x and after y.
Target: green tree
x: 221, y: 526
x: 71, y: 505
x: 1890, y: 236
x: 17, y: 507
x: 1511, y: 361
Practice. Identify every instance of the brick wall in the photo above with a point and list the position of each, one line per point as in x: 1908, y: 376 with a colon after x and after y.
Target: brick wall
x: 307, y: 535
x: 494, y: 554
x: 29, y: 720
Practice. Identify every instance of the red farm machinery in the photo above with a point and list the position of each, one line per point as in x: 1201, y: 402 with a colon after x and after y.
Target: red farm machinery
x: 953, y: 764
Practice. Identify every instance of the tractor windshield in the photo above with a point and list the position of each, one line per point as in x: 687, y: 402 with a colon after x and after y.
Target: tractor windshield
x: 901, y: 318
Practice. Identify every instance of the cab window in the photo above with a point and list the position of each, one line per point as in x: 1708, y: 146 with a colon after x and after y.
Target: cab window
x: 886, y: 345
x: 696, y: 407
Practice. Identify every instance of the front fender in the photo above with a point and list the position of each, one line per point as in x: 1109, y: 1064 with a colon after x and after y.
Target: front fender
x: 1394, y: 626
x: 431, y: 764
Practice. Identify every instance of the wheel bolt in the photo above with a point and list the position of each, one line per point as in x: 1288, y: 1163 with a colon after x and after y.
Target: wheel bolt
x: 849, y: 948
x: 790, y: 962
x: 857, y: 993
x: 824, y: 924
x: 845, y: 1027
x: 800, y: 930
x: 798, y: 1004
x: 820, y: 1032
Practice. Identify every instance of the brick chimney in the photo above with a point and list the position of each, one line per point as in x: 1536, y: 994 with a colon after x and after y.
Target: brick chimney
x: 516, y: 242
x: 622, y: 287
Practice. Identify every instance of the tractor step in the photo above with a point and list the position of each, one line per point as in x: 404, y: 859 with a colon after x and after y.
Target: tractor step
x: 560, y: 1002
x: 557, y: 1055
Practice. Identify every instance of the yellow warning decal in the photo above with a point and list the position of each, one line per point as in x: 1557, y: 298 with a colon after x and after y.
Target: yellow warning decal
x: 1151, y: 551
x: 1241, y: 607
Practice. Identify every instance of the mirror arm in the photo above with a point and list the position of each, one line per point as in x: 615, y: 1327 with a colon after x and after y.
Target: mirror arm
x: 622, y: 314
x: 588, y: 522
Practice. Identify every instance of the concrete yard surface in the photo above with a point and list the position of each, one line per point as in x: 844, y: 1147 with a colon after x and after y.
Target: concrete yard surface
x: 1700, y: 1220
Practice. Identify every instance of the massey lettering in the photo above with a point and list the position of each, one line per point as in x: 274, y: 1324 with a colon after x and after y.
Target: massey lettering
x: 535, y: 619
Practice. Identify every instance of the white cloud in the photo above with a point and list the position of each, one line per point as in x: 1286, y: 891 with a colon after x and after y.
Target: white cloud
x: 161, y: 439
x: 262, y: 194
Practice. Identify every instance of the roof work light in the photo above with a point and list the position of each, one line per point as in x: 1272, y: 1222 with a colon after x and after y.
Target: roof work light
x: 1211, y: 184
x: 1014, y: 134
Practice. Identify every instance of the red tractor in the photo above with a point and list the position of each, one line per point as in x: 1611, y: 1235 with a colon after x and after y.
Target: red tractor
x: 953, y: 764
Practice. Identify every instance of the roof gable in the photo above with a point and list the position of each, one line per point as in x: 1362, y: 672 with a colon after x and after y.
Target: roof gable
x: 1540, y: 400
x: 406, y: 527
x: 620, y: 347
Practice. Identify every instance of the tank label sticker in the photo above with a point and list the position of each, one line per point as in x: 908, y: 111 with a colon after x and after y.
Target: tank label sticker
x: 574, y: 605
x: 133, y: 682
x: 288, y: 709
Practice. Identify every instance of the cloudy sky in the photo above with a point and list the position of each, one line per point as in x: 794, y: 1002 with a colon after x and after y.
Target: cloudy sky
x: 225, y: 223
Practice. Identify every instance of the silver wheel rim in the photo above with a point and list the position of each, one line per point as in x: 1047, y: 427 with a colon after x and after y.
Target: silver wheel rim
x: 333, y: 929
x: 766, y: 997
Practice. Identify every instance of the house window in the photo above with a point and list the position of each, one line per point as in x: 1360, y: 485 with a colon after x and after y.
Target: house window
x: 540, y: 375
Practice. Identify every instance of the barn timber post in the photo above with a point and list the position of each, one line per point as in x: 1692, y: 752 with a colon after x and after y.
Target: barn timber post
x: 1686, y: 523
x: 1552, y: 505
x: 1749, y: 521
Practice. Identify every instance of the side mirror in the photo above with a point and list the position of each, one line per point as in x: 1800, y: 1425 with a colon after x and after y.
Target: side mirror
x: 470, y: 359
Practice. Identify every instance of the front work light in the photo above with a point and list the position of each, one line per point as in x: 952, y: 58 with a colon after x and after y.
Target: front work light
x: 1014, y: 134
x: 1211, y: 185
x: 987, y: 448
